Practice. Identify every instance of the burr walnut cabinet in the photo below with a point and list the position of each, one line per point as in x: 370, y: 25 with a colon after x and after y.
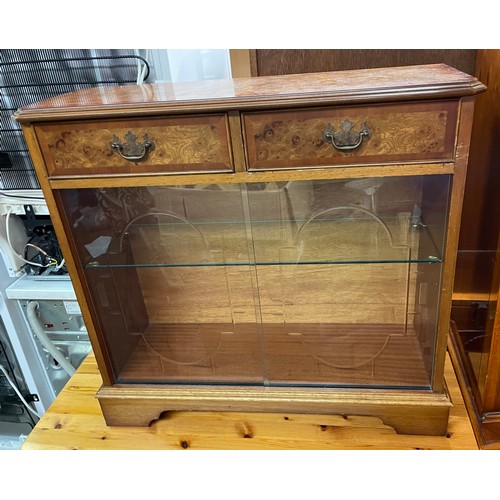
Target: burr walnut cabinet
x: 282, y: 244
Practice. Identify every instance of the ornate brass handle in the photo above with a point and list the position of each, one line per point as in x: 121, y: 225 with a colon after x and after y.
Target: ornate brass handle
x: 130, y: 150
x: 346, y: 139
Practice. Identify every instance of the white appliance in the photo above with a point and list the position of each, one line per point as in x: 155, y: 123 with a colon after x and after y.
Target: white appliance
x: 42, y: 333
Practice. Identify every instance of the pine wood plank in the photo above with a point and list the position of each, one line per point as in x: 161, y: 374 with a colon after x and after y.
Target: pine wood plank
x: 74, y: 421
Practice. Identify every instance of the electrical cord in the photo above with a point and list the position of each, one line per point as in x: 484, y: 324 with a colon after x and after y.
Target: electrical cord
x: 9, y: 380
x: 52, y: 261
x: 60, y: 265
x: 141, y: 72
x: 7, y: 234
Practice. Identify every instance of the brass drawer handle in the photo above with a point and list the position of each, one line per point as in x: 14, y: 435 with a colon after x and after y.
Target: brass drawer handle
x: 130, y: 150
x: 346, y: 139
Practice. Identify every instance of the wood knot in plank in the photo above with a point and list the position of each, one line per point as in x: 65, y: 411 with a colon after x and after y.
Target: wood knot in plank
x: 246, y: 431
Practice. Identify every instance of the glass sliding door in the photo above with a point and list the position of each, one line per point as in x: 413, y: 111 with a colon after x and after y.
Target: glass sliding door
x: 321, y: 283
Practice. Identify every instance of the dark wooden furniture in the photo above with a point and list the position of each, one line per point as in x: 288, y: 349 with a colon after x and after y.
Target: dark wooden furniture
x: 264, y: 244
x: 474, y: 339
x: 267, y: 62
x: 474, y: 346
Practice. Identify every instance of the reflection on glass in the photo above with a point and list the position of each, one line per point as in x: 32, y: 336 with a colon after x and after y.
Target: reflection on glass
x: 330, y: 283
x: 474, y: 315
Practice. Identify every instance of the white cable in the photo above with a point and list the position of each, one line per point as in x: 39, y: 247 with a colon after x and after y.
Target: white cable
x: 2, y: 368
x: 137, y: 52
x: 145, y: 65
x: 60, y: 265
x: 7, y: 233
x: 45, y: 341
x: 140, y: 78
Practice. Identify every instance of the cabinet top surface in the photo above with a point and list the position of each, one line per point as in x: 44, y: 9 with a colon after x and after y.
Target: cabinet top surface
x: 366, y: 85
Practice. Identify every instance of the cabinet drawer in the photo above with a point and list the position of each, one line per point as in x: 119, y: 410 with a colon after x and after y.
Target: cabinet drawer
x: 152, y: 145
x: 342, y: 136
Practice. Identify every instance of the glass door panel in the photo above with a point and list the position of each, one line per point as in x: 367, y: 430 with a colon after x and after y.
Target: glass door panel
x: 171, y: 280
x: 331, y: 283
x: 353, y: 298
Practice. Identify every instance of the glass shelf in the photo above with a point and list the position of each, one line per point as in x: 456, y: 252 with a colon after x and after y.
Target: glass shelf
x: 360, y: 238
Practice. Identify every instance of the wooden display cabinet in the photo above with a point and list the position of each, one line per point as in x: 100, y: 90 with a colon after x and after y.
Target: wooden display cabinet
x: 264, y: 244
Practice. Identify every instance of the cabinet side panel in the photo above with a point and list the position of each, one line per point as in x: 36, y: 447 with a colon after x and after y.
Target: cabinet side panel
x: 114, y: 294
x: 456, y: 200
x: 119, y: 311
x: 435, y: 202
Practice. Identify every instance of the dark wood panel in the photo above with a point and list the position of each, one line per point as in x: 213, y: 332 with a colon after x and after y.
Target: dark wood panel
x: 481, y: 210
x: 481, y: 220
x: 288, y: 61
x: 474, y: 267
x: 491, y: 373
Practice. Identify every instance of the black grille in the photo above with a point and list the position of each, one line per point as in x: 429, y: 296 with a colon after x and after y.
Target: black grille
x: 28, y: 76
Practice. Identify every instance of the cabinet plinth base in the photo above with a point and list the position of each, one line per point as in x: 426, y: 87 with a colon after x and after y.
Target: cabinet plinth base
x: 407, y: 412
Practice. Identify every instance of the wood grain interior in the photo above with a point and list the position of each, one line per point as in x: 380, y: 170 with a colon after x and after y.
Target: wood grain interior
x: 295, y: 354
x: 229, y: 295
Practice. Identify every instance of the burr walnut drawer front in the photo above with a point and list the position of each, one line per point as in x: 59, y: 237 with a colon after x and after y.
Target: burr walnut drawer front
x: 342, y: 136
x: 175, y: 144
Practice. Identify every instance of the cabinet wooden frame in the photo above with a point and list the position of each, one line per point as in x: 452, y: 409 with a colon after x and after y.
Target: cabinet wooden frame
x: 408, y: 411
